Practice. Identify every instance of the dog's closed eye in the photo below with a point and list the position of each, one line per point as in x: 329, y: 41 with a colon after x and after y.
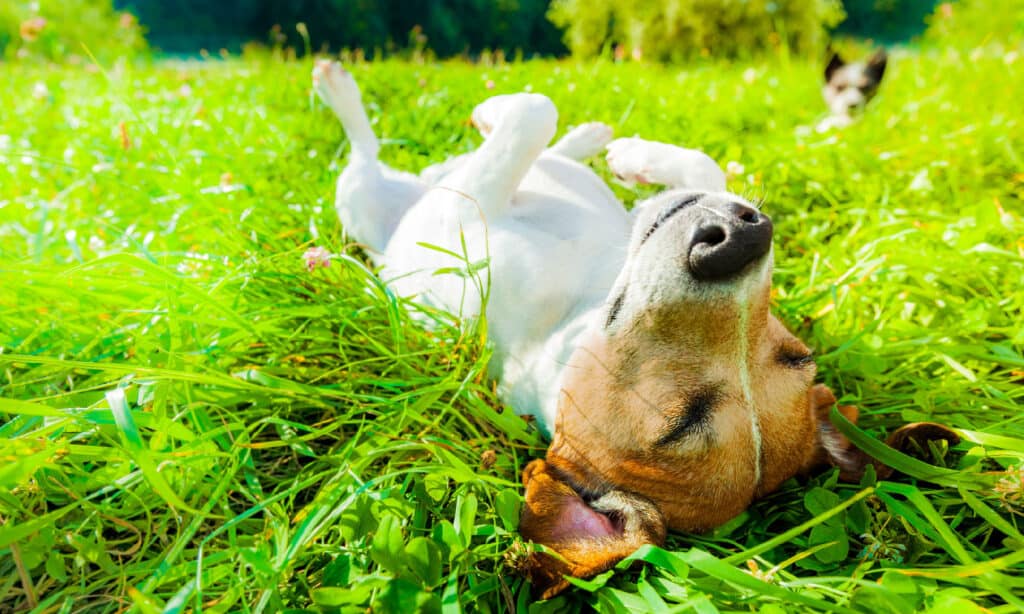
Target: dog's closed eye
x: 694, y: 419
x: 795, y: 358
x: 669, y: 212
x: 616, y: 307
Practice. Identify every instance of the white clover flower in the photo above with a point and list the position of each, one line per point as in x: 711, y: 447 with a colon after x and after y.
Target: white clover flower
x: 316, y: 256
x: 40, y: 91
x: 734, y: 169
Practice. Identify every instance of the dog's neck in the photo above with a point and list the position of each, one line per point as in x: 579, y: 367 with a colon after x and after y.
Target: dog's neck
x: 531, y: 376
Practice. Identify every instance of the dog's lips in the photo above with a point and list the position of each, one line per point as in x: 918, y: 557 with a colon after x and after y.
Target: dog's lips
x: 695, y: 253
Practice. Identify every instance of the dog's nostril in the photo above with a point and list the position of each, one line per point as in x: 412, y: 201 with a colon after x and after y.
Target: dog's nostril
x: 709, y: 235
x: 744, y: 213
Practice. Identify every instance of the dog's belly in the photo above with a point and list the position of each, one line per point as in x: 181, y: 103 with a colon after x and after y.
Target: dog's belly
x: 553, y: 253
x: 559, y: 177
x: 554, y: 257
x: 545, y: 288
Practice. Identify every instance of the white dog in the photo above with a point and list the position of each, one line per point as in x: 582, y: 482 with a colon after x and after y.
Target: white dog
x: 642, y: 342
x: 554, y: 235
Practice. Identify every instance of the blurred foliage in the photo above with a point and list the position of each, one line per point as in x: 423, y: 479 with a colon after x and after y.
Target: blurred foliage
x: 448, y: 27
x: 661, y: 30
x: 678, y: 29
x: 885, y: 20
x: 72, y: 28
x: 970, y: 23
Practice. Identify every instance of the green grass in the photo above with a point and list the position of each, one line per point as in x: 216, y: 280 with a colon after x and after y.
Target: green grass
x: 192, y: 421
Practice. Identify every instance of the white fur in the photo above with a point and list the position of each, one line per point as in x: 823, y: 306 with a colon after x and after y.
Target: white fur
x: 553, y: 235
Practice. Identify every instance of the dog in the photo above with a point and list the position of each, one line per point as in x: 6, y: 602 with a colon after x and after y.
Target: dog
x: 850, y: 86
x: 641, y: 342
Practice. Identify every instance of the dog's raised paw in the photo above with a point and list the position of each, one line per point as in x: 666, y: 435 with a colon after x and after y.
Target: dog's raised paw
x: 335, y: 85
x: 486, y: 114
x: 524, y: 109
x: 629, y: 159
x: 584, y: 140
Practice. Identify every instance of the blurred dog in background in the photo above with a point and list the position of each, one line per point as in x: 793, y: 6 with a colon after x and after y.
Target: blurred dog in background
x: 849, y: 86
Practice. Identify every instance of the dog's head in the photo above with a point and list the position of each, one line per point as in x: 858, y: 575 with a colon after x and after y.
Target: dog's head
x: 687, y: 402
x: 848, y: 87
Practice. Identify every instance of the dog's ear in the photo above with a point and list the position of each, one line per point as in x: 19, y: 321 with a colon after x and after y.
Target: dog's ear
x: 840, y: 452
x: 875, y: 68
x: 586, y: 538
x: 834, y: 63
x: 915, y: 436
x: 835, y: 448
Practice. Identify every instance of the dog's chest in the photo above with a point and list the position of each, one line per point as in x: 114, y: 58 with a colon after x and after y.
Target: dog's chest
x: 553, y: 256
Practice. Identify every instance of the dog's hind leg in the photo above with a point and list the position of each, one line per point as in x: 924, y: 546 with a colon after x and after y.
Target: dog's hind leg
x: 447, y: 231
x: 517, y: 128
x: 580, y: 143
x: 583, y: 141
x: 371, y: 198
x: 636, y: 160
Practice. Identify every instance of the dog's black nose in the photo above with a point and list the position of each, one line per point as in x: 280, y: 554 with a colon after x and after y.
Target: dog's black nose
x: 725, y: 244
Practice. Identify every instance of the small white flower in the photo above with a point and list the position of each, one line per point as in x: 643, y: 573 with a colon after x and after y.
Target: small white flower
x: 193, y: 264
x: 40, y: 91
x: 734, y: 169
x: 921, y: 182
x: 749, y: 75
x: 96, y: 244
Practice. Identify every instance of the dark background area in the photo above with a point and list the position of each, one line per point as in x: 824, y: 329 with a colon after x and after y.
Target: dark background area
x: 450, y: 27
x: 886, y: 21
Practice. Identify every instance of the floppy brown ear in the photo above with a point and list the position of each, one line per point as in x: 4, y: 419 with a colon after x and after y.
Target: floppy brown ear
x: 587, y: 537
x: 835, y: 448
x: 840, y: 452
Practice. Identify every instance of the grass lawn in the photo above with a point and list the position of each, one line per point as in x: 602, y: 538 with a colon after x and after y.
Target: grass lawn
x: 191, y: 420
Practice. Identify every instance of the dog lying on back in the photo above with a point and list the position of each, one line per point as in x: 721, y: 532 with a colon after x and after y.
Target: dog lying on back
x: 850, y: 86
x: 642, y: 342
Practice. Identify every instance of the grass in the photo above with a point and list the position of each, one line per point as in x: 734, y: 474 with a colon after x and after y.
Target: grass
x: 190, y: 420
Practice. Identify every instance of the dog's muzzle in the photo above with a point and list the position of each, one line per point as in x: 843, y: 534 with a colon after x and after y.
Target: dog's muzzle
x: 721, y: 247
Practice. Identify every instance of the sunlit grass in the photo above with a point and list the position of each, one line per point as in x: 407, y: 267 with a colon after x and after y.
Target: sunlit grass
x: 193, y: 420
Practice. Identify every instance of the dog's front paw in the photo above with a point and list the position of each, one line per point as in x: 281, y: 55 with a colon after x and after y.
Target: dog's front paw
x: 630, y: 159
x: 528, y: 110
x: 584, y: 140
x: 487, y: 114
